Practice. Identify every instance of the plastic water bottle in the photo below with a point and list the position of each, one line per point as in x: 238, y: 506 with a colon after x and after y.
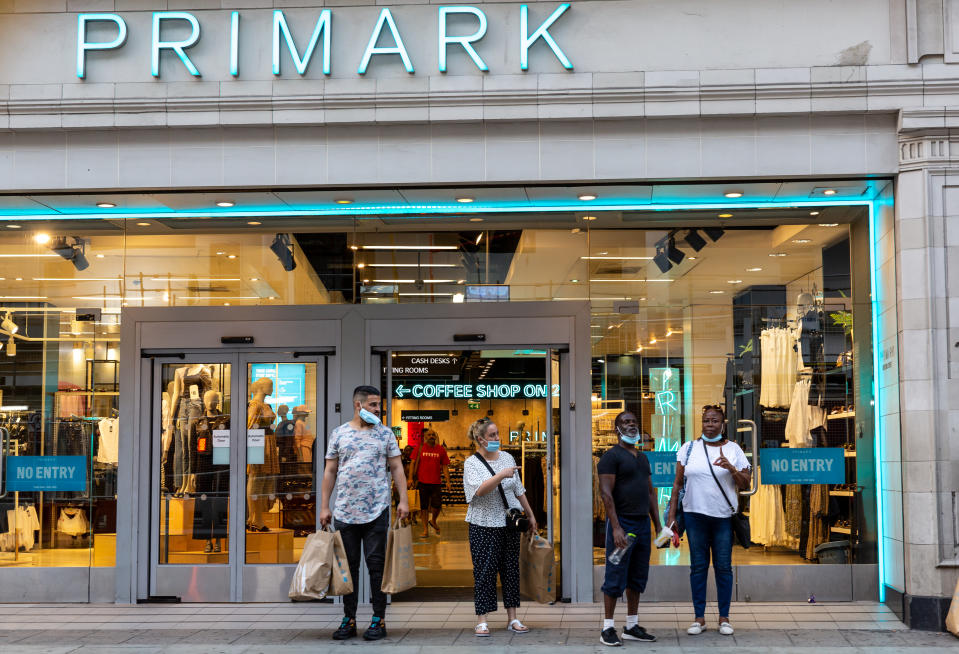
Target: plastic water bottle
x: 617, y: 554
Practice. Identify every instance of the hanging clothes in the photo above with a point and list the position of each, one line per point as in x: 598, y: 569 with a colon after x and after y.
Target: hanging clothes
x: 109, y: 441
x: 818, y: 524
x: 798, y: 422
x: 27, y: 525
x: 767, y: 518
x: 793, y: 512
x: 73, y: 521
x: 779, y: 361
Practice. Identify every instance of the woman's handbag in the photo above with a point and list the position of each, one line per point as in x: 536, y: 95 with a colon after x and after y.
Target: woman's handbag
x: 738, y: 522
x: 516, y: 520
x: 679, y: 526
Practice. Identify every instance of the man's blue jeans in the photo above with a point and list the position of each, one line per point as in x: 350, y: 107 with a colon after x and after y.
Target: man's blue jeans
x: 706, y: 534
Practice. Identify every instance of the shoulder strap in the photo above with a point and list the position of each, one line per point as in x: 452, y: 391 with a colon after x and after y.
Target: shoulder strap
x: 502, y: 494
x: 713, y: 472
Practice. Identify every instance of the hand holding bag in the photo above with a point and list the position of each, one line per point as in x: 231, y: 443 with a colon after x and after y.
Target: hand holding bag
x: 311, y: 579
x: 341, y: 582
x: 516, y: 520
x: 537, y: 574
x: 738, y: 522
x: 399, y: 572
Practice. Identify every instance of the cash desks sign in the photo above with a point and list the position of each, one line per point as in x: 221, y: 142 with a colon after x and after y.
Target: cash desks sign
x: 99, y: 32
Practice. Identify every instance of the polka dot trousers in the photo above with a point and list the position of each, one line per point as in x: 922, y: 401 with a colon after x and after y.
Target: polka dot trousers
x: 495, y: 550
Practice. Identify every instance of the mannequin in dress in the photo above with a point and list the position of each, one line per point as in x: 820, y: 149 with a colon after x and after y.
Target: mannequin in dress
x: 166, y: 436
x: 261, y: 478
x: 190, y: 383
x: 303, y: 437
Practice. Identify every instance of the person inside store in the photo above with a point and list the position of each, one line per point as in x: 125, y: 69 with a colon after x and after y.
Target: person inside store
x: 493, y: 487
x: 712, y: 470
x: 626, y: 486
x: 430, y: 471
x: 361, y: 456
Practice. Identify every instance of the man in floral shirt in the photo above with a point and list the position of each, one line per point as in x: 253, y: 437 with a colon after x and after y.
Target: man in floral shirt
x: 360, y: 457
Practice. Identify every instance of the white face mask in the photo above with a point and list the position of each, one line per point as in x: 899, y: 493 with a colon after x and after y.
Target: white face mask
x: 629, y: 435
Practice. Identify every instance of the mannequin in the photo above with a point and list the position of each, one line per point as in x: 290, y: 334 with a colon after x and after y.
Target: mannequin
x: 261, y: 477
x: 211, y: 505
x: 190, y: 383
x: 284, y: 436
x: 303, y: 437
x: 166, y: 436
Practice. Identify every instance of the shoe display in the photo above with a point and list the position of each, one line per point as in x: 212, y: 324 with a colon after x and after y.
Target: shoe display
x: 638, y: 633
x: 376, y: 630
x: 610, y: 638
x: 347, y: 629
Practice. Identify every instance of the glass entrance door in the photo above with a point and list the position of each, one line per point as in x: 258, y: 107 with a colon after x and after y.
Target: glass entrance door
x: 233, y: 473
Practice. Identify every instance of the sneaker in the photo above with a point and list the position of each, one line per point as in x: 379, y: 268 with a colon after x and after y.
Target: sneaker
x: 376, y: 630
x: 346, y: 630
x: 726, y: 629
x: 695, y: 629
x: 638, y: 633
x: 610, y: 638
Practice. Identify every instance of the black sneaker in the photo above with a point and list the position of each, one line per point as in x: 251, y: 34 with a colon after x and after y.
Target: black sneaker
x: 638, y: 633
x: 376, y: 630
x: 347, y: 629
x: 610, y: 638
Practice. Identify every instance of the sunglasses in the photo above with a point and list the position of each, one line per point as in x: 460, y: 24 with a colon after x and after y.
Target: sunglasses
x: 713, y: 407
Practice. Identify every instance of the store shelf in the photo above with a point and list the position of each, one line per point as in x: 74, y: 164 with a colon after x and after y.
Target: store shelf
x: 839, y: 416
x: 843, y: 493
x: 841, y: 530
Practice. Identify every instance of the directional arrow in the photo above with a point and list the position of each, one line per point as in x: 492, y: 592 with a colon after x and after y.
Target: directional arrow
x: 400, y: 390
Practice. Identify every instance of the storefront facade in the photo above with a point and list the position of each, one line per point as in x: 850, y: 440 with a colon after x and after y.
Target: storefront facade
x: 577, y: 156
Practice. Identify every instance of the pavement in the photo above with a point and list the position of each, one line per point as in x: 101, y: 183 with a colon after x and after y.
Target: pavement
x: 436, y: 627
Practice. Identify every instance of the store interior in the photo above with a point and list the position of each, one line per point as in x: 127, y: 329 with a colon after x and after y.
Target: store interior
x: 696, y: 292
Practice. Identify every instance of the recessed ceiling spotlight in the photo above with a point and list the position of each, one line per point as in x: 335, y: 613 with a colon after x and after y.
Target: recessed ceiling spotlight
x: 733, y: 194
x: 231, y: 256
x: 716, y: 292
x: 476, y: 220
x: 254, y: 222
x: 226, y: 204
x: 143, y: 224
x: 100, y: 256
x: 813, y: 213
x: 254, y: 279
x: 734, y: 281
x: 107, y: 205
x: 41, y: 238
x: 344, y: 201
x: 465, y: 199
x: 757, y: 269
x: 587, y: 197
x: 226, y: 304
x: 272, y: 297
x: 361, y: 265
x: 777, y: 254
x: 692, y: 258
x: 829, y: 224
x: 802, y: 241
x: 589, y: 218
x: 725, y: 215
x: 574, y: 281
x: 829, y: 191
x: 13, y: 226
x: 354, y: 247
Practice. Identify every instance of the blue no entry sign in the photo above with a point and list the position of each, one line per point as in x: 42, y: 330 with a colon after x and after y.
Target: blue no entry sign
x: 802, y: 465
x: 46, y: 473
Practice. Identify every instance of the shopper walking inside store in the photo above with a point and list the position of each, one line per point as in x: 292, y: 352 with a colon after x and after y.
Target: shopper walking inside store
x: 431, y: 473
x: 492, y: 485
x: 361, y: 456
x: 626, y: 486
x: 712, y: 470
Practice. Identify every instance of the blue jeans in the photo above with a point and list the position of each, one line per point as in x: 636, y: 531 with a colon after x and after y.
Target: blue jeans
x: 706, y: 534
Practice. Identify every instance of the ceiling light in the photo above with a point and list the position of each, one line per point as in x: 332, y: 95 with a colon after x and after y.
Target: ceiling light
x: 479, y: 238
x: 254, y: 222
x: 282, y: 247
x: 734, y: 281
x: 413, y: 281
x: 829, y: 224
x: 662, y: 261
x: 753, y: 269
x: 714, y: 233
x: 409, y: 247
x: 675, y: 254
x: 616, y: 258
x: 11, y: 348
x: 733, y: 194
x: 458, y: 298
x: 813, y: 213
x: 354, y: 247
x: 42, y: 238
x: 196, y: 279
x: 100, y: 256
x: 725, y: 215
x: 361, y: 265
x: 23, y: 297
x: 143, y: 224
x: 72, y: 252
x: 621, y: 280
x: 476, y: 220
x: 695, y: 241
x: 8, y: 325
x: 465, y: 199
x: 272, y: 297
x: 254, y: 279
x: 426, y: 294
x: 829, y: 191
x: 13, y: 226
x: 231, y: 256
x: 802, y: 241
x: 411, y: 265
x: 589, y: 218
x: 226, y: 204
x: 777, y: 254
x: 344, y: 201
x: 717, y: 292
x: 107, y: 205
x: 226, y: 304
x: 460, y: 281
x: 692, y: 258
x: 220, y: 253
x: 587, y: 197
x: 574, y: 281
x: 652, y: 341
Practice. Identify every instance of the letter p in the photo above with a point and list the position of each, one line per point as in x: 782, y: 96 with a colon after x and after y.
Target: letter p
x: 83, y: 45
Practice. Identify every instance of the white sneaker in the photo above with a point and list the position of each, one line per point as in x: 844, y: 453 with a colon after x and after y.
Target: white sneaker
x: 726, y: 629
x: 695, y: 629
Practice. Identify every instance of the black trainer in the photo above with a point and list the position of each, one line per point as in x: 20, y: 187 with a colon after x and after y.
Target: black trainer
x: 638, y: 633
x: 376, y: 630
x: 346, y: 630
x: 610, y: 638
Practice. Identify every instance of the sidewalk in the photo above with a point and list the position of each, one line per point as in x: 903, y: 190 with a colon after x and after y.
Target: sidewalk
x: 435, y: 627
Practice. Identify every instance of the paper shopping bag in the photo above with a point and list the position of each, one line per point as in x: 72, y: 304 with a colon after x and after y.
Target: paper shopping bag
x: 952, y: 618
x: 341, y: 582
x: 537, y: 576
x: 399, y: 573
x: 311, y: 579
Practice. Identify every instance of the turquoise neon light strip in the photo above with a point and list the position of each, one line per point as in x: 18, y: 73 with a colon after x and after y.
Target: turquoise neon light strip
x: 286, y: 211
x: 877, y: 413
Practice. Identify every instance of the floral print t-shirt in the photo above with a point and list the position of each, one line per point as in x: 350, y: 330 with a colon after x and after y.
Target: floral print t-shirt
x: 363, y: 477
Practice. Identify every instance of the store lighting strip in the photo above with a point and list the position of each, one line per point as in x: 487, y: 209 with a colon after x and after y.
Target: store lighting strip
x: 879, y: 450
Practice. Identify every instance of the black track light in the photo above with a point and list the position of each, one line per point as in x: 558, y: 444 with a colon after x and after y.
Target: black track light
x: 675, y: 254
x: 661, y: 260
x: 715, y: 233
x: 283, y: 249
x: 72, y: 252
x: 695, y: 241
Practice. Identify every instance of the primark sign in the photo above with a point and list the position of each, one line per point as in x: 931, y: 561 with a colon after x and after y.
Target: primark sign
x: 460, y: 29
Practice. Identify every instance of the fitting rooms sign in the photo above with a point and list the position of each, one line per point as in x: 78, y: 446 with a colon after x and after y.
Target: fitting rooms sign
x: 299, y: 41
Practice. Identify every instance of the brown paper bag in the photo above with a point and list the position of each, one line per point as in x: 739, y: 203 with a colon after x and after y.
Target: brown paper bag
x: 537, y: 579
x: 399, y: 573
x: 952, y: 618
x: 311, y: 579
x: 341, y: 582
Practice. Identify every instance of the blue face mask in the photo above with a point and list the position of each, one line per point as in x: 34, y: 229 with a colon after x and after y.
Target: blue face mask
x: 369, y: 418
x: 627, y: 438
x: 492, y: 446
x: 714, y: 439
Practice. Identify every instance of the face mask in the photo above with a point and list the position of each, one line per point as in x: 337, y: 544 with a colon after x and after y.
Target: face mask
x: 369, y: 418
x: 492, y: 446
x: 714, y: 439
x: 630, y: 438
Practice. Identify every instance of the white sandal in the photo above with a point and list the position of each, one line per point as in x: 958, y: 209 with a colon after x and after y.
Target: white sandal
x: 520, y: 628
x: 695, y: 629
x: 726, y: 629
x: 481, y: 630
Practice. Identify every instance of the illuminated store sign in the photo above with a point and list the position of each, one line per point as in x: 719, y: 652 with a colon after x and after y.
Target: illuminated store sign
x: 473, y: 391
x: 385, y: 29
x: 802, y: 465
x: 46, y: 473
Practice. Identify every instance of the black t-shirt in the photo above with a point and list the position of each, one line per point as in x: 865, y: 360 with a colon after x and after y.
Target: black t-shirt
x: 631, y: 490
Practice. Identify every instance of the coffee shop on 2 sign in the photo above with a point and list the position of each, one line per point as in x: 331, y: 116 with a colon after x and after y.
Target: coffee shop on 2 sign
x: 216, y: 222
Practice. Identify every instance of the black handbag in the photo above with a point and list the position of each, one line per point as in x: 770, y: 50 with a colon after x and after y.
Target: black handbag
x: 679, y: 526
x: 738, y: 522
x: 516, y: 520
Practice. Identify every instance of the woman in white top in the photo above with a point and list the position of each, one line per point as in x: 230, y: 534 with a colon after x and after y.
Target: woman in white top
x: 493, y: 547
x: 707, y: 512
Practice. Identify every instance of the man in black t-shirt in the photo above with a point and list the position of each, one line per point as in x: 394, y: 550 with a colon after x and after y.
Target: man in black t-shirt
x: 626, y: 485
